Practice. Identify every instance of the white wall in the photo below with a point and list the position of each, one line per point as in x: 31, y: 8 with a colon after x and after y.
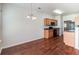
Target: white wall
x: 72, y: 17
x: 59, y: 24
x: 0, y: 26
x: 0, y: 22
x: 58, y: 18
x: 62, y: 18
x: 17, y: 28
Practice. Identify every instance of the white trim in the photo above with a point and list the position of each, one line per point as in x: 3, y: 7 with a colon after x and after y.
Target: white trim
x: 3, y: 47
x: 76, y: 37
x: 77, y: 48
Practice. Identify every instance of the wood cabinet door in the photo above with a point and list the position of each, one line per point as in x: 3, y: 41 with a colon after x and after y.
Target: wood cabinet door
x: 46, y: 33
x: 46, y: 22
x: 51, y: 20
x: 50, y: 33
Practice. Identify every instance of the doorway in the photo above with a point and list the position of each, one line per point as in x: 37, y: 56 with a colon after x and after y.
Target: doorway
x: 69, y: 33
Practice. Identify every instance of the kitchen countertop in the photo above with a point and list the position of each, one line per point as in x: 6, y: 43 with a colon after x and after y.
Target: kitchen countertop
x: 47, y: 29
x: 69, y: 30
x: 53, y: 27
x: 50, y: 29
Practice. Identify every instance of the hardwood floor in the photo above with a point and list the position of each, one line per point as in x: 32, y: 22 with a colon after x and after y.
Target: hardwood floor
x: 52, y: 46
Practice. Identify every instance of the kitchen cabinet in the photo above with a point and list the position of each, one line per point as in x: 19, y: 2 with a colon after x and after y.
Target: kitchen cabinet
x: 48, y: 21
x: 48, y: 33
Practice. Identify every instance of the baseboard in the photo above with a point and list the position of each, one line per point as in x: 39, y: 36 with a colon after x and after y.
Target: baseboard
x: 76, y: 47
x: 19, y: 43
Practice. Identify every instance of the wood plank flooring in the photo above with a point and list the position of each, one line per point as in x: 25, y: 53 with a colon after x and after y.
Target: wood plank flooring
x: 52, y: 46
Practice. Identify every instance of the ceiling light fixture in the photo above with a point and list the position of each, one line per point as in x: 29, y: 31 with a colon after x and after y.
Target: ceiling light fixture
x: 31, y: 14
x: 58, y: 11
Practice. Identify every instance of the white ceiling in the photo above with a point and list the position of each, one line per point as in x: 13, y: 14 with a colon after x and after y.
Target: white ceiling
x: 49, y: 7
x: 66, y: 7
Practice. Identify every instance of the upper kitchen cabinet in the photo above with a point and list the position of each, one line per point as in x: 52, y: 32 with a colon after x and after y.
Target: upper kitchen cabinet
x: 50, y: 22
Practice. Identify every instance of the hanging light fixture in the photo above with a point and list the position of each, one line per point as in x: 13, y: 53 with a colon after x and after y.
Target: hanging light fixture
x: 31, y: 15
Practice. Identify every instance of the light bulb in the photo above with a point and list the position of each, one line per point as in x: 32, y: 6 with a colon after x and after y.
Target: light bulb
x: 28, y: 16
x: 34, y: 17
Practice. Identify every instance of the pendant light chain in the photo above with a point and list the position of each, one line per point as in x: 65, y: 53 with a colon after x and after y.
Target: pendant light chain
x: 31, y: 16
x: 31, y: 11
